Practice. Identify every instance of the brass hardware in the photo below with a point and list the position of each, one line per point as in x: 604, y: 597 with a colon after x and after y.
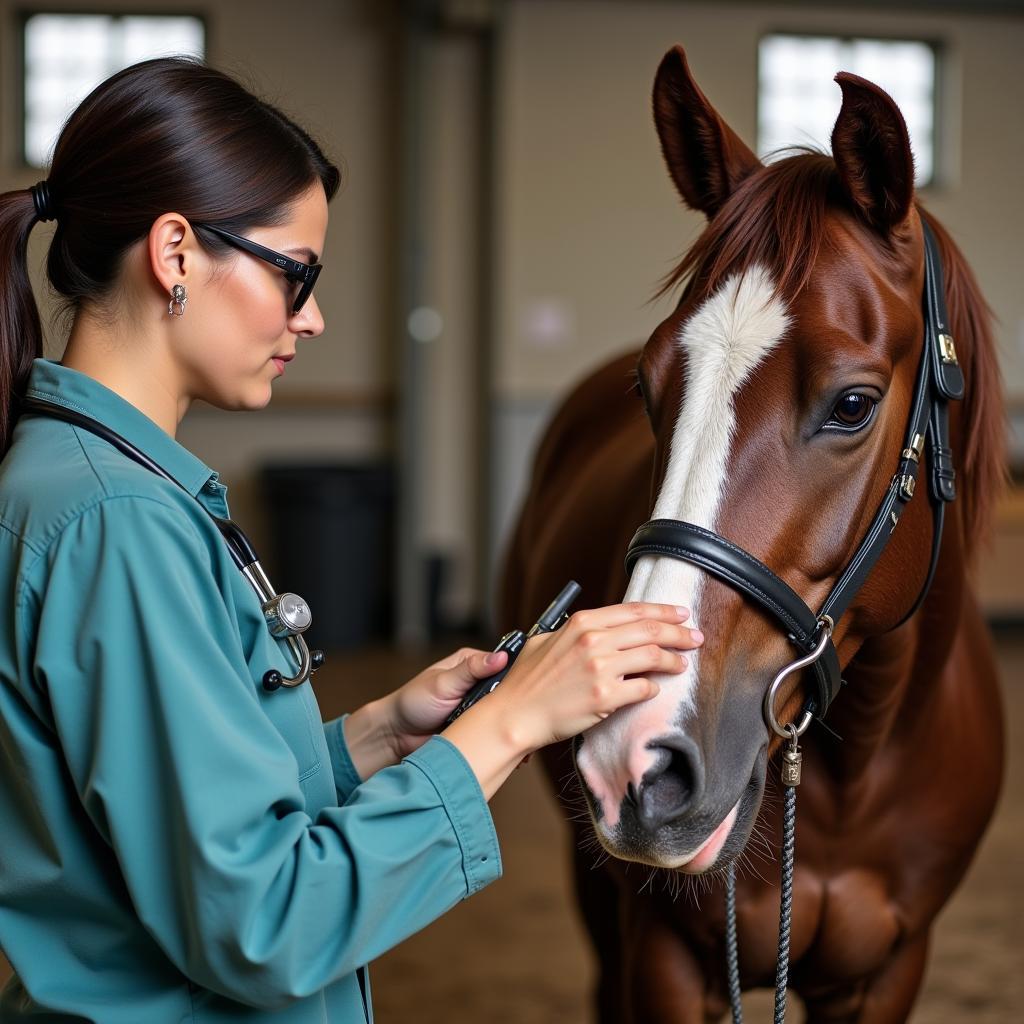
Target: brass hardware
x: 907, y: 483
x: 791, y: 763
x: 947, y: 349
x: 916, y: 447
x: 791, y: 759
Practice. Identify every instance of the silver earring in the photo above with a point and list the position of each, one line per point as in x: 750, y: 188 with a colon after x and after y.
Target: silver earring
x: 178, y: 298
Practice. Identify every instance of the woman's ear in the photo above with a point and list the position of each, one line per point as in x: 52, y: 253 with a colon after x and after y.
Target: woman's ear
x: 705, y: 157
x: 172, y: 250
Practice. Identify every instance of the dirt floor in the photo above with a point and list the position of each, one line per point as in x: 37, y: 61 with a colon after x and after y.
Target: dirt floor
x: 516, y: 954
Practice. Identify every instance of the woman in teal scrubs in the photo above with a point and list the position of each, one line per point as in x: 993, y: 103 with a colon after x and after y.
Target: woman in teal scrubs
x: 178, y: 843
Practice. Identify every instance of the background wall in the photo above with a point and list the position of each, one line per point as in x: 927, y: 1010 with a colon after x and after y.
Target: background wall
x: 548, y: 219
x: 589, y: 221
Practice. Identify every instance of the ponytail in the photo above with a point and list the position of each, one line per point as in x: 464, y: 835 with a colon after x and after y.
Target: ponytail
x: 21, y: 333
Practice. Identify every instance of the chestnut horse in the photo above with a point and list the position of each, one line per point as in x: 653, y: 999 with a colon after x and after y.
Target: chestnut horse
x: 776, y: 396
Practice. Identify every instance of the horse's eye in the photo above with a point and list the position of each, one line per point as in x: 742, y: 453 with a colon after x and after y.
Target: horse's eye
x: 853, y: 410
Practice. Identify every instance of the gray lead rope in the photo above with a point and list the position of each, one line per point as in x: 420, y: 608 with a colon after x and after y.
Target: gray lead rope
x: 732, y: 952
x: 790, y: 779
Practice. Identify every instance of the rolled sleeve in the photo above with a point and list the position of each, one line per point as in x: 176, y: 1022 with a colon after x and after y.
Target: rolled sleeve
x: 346, y: 777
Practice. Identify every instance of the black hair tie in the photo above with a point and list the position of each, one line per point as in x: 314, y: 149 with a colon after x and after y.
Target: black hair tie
x: 44, y: 201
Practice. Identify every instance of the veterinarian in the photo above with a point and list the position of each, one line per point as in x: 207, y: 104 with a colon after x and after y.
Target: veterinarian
x: 183, y: 837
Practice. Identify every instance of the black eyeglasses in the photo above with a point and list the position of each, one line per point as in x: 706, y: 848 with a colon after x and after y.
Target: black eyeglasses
x: 303, y: 274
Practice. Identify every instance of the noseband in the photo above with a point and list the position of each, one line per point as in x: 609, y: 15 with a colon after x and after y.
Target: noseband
x: 939, y: 380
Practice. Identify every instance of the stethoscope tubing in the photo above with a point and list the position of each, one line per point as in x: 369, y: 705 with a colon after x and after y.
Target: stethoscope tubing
x: 240, y: 547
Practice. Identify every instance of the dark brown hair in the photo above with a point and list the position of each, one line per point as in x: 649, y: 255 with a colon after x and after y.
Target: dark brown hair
x: 164, y: 134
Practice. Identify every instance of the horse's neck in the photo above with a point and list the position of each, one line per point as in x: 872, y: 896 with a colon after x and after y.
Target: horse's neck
x: 894, y: 674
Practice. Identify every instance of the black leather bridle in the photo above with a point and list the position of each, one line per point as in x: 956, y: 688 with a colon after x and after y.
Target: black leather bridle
x: 939, y: 380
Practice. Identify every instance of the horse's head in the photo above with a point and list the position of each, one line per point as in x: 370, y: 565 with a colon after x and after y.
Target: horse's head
x: 779, y: 392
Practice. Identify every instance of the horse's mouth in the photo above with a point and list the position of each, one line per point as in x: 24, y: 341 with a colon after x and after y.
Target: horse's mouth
x: 729, y: 840
x: 705, y: 847
x: 707, y: 853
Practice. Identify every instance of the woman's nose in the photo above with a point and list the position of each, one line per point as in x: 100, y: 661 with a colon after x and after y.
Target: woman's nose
x: 309, y: 321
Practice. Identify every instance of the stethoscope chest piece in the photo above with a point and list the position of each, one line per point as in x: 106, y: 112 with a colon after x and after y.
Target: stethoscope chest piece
x: 288, y: 616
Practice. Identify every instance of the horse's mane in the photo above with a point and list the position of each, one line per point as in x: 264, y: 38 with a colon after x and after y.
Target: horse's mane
x: 982, y: 473
x: 776, y: 217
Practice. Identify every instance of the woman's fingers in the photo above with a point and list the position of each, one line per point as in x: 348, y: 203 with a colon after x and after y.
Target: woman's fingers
x: 565, y: 682
x: 641, y: 660
x: 621, y: 614
x: 628, y: 691
x: 639, y: 634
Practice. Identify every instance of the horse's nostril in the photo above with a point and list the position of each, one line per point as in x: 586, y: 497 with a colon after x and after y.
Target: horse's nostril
x: 670, y: 787
x: 631, y: 794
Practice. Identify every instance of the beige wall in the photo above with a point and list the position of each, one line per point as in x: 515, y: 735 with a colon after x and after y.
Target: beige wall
x: 586, y: 220
x: 589, y: 220
x: 333, y: 69
x: 329, y: 68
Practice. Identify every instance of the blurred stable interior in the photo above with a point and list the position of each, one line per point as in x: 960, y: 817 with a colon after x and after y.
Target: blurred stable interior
x: 505, y: 218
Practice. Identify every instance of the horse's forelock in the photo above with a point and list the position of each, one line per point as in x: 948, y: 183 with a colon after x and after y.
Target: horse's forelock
x: 776, y: 218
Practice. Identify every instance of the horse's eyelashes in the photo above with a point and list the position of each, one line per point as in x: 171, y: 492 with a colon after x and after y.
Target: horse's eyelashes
x: 637, y: 387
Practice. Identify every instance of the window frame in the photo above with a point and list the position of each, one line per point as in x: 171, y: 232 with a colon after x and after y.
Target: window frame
x: 940, y: 174
x: 22, y: 15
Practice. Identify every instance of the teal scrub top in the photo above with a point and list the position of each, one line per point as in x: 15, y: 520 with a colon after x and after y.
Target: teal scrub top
x: 176, y: 843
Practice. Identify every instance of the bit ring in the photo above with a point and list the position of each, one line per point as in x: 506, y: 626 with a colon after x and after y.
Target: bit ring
x: 795, y: 666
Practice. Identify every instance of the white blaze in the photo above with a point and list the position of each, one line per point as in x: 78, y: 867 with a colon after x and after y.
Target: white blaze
x: 725, y: 339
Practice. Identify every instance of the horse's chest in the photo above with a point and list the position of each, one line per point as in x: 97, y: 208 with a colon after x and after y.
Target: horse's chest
x: 855, y: 926
x: 844, y: 927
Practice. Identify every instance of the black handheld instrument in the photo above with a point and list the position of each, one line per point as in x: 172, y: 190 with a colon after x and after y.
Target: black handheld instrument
x: 555, y: 616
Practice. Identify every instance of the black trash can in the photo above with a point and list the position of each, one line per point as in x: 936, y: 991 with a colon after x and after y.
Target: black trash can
x: 333, y: 541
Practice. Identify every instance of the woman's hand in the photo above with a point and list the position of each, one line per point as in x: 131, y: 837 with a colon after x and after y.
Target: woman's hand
x: 420, y: 707
x: 565, y: 682
x: 384, y: 731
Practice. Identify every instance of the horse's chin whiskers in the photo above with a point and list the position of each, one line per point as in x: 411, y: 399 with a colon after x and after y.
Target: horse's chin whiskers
x: 648, y: 882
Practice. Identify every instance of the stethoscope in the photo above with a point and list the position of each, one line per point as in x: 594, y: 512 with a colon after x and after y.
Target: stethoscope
x: 287, y: 615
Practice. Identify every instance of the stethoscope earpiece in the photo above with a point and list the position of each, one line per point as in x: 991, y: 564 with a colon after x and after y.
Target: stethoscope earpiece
x: 273, y: 680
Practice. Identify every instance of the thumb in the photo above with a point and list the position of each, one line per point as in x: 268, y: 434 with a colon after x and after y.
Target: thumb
x: 481, y: 664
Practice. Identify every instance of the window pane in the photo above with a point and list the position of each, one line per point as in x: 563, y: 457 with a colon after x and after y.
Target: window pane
x: 68, y: 55
x: 798, y: 101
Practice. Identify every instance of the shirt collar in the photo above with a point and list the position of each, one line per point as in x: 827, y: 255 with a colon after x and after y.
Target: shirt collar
x: 52, y: 382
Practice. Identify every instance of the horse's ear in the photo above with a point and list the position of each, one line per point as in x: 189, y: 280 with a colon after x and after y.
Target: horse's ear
x: 705, y: 157
x: 872, y: 151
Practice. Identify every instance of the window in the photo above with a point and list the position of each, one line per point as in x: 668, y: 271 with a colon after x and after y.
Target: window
x: 798, y: 101
x: 67, y: 55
